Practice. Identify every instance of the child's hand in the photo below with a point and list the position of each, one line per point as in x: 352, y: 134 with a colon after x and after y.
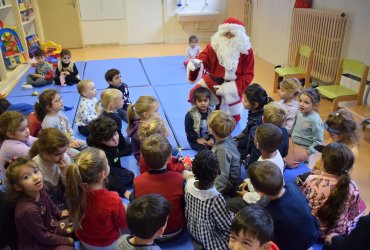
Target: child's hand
x: 211, y: 142
x: 71, y: 241
x: 37, y: 75
x: 66, y: 73
x: 242, y: 192
x: 243, y: 186
x: 62, y: 165
x: 74, y: 143
x: 65, y: 213
x: 187, y: 166
x: 330, y: 237
x: 202, y: 141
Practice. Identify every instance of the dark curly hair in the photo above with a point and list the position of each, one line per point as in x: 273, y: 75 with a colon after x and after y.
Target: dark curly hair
x: 206, y: 166
x: 256, y: 94
x: 102, y: 129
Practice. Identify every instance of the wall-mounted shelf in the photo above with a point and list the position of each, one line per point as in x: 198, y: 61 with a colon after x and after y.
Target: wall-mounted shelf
x: 32, y: 18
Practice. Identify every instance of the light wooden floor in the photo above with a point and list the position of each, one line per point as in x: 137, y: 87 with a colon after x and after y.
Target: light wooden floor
x: 263, y: 75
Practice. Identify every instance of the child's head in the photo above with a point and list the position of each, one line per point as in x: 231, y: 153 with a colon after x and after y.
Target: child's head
x: 152, y: 126
x: 193, y: 41
x: 90, y: 167
x: 65, y: 56
x: 268, y: 137
x: 86, y: 88
x: 156, y: 151
x: 24, y: 178
x: 40, y: 56
x: 221, y: 124
x: 205, y: 166
x: 104, y: 130
x: 266, y: 177
x: 338, y: 160
x: 255, y: 97
x: 113, y: 77
x: 4, y: 105
x: 13, y: 125
x: 274, y: 113
x: 147, y: 216
x: 289, y: 88
x: 144, y: 108
x: 309, y: 100
x: 48, y: 101
x: 201, y: 97
x: 51, y: 145
x: 251, y: 229
x: 111, y: 100
x: 343, y: 128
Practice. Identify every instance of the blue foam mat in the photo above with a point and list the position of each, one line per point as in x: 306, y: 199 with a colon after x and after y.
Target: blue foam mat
x: 19, y: 91
x: 174, y: 100
x: 70, y: 99
x: 291, y: 174
x: 165, y: 70
x: 131, y: 71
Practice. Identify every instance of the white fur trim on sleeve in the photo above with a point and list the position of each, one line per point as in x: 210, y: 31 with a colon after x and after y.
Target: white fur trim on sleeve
x: 228, y: 91
x: 191, y: 67
x: 236, y: 109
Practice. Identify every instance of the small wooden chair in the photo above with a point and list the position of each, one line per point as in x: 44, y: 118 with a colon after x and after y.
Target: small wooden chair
x: 339, y: 93
x: 297, y: 71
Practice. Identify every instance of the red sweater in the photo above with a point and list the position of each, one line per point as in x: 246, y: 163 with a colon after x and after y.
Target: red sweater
x: 171, y: 186
x: 173, y: 165
x: 103, y: 218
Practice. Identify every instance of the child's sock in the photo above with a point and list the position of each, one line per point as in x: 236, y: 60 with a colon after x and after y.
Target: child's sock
x: 62, y: 80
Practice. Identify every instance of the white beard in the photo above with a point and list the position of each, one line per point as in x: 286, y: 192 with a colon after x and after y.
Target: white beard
x: 228, y: 50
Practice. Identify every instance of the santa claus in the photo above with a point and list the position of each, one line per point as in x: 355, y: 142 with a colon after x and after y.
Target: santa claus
x: 225, y: 66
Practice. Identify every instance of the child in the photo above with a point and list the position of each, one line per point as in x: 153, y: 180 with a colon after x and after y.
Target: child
x: 156, y: 151
x: 220, y: 125
x: 145, y: 108
x: 86, y: 111
x: 66, y: 72
x: 307, y: 132
x: 98, y: 215
x: 146, y: 218
x: 208, y: 221
x: 196, y: 126
x: 332, y: 196
x: 252, y: 229
x: 49, y: 152
x: 274, y: 113
x: 15, y: 139
x: 39, y: 222
x: 294, y: 226
x: 113, y: 77
x: 48, y: 109
x: 192, y: 50
x: 268, y: 138
x: 111, y: 101
x: 43, y: 75
x: 104, y: 136
x: 254, y: 100
x: 289, y: 90
x: 156, y: 126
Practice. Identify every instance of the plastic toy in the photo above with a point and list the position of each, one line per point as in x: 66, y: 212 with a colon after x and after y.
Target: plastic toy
x: 33, y: 44
x: 11, y: 48
x: 52, y: 51
x: 35, y: 93
x: 187, y: 160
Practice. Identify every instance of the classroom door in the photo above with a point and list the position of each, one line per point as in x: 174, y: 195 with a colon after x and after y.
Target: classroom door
x: 60, y: 22
x: 145, y: 21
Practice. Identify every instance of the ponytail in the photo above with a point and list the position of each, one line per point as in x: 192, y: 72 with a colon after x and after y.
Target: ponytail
x: 131, y: 116
x: 135, y: 111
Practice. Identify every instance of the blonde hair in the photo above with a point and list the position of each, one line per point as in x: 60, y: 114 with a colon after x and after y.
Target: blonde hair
x: 108, y: 99
x: 136, y: 110
x: 156, y: 150
x: 275, y: 113
x: 9, y: 123
x: 81, y: 86
x: 221, y: 123
x: 86, y: 169
x: 152, y: 126
x: 292, y: 86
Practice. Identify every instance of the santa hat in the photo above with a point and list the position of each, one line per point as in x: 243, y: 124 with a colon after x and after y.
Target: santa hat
x: 231, y: 24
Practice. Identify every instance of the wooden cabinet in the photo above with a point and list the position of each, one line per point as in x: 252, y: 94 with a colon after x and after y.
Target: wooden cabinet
x: 18, y: 15
x: 241, y: 9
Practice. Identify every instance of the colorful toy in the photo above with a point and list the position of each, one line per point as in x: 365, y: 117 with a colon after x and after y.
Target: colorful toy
x: 11, y: 48
x: 33, y: 44
x: 187, y: 160
x: 52, y: 51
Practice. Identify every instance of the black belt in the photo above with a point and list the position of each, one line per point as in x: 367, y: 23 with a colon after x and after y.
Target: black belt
x: 220, y: 80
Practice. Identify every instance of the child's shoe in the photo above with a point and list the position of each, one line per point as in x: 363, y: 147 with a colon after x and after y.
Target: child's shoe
x: 27, y: 86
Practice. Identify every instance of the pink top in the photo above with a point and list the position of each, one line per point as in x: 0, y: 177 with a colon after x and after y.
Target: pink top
x: 317, y: 190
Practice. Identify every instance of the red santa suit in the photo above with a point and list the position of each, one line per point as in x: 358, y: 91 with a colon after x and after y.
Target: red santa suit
x: 227, y: 86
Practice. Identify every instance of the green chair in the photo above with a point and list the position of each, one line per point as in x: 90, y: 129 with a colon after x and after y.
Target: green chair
x: 339, y: 93
x: 298, y: 70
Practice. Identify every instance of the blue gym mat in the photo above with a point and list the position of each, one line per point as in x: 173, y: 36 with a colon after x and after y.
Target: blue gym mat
x: 165, y: 70
x: 174, y: 99
x: 131, y: 71
x: 291, y: 174
x: 69, y: 99
x: 19, y: 91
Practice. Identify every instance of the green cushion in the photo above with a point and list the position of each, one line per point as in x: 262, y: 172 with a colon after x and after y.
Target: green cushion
x: 334, y: 91
x: 284, y: 71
